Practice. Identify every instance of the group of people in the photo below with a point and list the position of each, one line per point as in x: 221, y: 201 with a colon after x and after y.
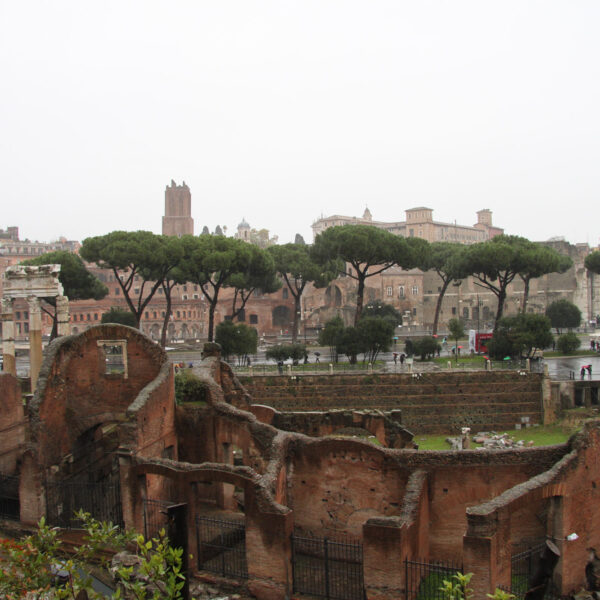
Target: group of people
x: 402, y: 357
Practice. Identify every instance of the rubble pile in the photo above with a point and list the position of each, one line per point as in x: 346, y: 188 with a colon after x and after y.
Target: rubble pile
x: 491, y: 440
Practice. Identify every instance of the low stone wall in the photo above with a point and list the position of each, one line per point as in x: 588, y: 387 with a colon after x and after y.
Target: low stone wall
x: 430, y: 402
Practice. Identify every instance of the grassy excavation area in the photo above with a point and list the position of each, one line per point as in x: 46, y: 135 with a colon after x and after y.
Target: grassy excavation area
x: 540, y: 435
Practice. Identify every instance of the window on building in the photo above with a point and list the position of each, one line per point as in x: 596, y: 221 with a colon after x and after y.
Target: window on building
x: 88, y: 317
x: 389, y: 290
x: 163, y: 314
x: 415, y: 290
x: 136, y: 291
x: 26, y: 314
x: 117, y: 291
x: 242, y: 315
x: 160, y: 291
x: 454, y: 310
x: 184, y: 297
x: 185, y: 288
x: 465, y: 312
x: 178, y: 314
x: 411, y: 233
x: 18, y: 326
x: 401, y: 291
x: 74, y: 317
x: 189, y: 314
x: 18, y: 315
x: 195, y: 288
x: 414, y: 312
x: 284, y: 293
x: 26, y: 327
x: 95, y: 316
x: 195, y: 296
x: 253, y: 319
x: 147, y: 314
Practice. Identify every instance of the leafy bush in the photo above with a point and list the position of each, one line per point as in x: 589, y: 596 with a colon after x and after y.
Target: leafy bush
x: 282, y: 352
x: 239, y: 339
x: 29, y: 565
x: 188, y: 388
x: 520, y: 336
x: 120, y: 316
x: 426, y: 347
x: 563, y: 315
x: 568, y: 343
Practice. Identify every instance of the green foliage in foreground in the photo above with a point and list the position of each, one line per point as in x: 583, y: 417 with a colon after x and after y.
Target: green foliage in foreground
x: 28, y: 565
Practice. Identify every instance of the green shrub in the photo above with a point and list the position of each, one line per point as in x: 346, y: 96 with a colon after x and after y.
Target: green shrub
x: 426, y: 347
x: 188, y: 388
x: 568, y: 343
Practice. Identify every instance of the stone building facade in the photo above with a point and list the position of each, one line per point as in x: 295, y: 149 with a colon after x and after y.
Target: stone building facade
x: 419, y: 223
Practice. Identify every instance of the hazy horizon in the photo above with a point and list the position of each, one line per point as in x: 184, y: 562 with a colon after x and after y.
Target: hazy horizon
x: 280, y: 112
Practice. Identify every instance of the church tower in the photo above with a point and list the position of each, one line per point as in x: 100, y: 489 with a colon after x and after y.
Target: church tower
x: 178, y: 210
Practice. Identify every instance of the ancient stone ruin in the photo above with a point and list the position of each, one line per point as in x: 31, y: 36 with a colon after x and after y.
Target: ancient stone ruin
x: 269, y: 496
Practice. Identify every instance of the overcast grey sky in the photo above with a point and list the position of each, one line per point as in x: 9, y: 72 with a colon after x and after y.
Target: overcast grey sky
x: 282, y: 111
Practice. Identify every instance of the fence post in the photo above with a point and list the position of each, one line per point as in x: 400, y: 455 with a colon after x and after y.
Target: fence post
x: 330, y: 368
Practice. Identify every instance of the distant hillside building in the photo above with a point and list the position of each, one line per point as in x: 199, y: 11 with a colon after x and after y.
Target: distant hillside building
x: 419, y: 223
x: 178, y: 210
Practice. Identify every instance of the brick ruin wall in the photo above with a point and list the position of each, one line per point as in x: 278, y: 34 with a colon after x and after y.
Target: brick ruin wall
x: 430, y: 402
x: 12, y: 420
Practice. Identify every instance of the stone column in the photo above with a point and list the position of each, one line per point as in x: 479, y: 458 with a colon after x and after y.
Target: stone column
x: 8, y: 337
x: 35, y: 339
x: 62, y: 316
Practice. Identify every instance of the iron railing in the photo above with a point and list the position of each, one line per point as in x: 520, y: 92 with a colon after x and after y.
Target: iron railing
x: 328, y: 568
x: 155, y: 517
x: 101, y: 499
x: 424, y: 579
x: 222, y: 546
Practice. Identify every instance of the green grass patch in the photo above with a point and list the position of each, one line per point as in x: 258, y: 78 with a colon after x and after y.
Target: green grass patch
x: 468, y: 360
x: 542, y: 435
x: 557, y: 354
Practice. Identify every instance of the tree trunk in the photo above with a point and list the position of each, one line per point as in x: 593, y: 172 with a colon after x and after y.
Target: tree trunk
x: 296, y: 323
x: 163, y: 335
x: 211, y: 319
x: 500, y: 311
x: 359, y: 298
x: 438, y: 307
x: 526, y: 281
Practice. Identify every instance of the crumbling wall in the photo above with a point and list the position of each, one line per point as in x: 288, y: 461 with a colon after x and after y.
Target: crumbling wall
x: 75, y: 393
x: 12, y: 423
x: 334, y: 485
x: 386, y: 427
x: 430, y: 402
x: 567, y: 493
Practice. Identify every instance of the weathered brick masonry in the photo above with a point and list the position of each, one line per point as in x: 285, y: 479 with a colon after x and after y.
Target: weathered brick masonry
x: 474, y: 505
x: 430, y: 402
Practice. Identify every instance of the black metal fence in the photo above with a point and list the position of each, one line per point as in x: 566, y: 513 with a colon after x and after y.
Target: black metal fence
x: 222, y: 546
x: 9, y: 497
x: 155, y: 517
x: 328, y: 568
x: 101, y: 499
x: 524, y: 565
x: 424, y: 580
